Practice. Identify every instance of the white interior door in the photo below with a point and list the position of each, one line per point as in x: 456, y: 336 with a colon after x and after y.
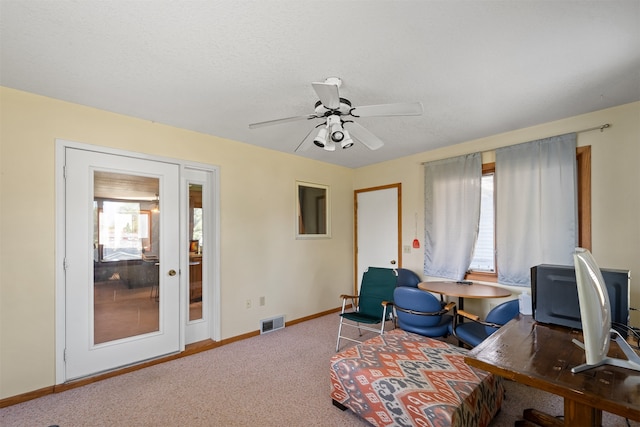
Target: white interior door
x: 122, y: 287
x: 377, y: 229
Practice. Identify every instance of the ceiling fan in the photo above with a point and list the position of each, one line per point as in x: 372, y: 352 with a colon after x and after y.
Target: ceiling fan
x: 337, y: 114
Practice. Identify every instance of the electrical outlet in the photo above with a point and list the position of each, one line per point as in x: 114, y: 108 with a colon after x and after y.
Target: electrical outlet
x: 407, y: 249
x: 262, y: 301
x: 248, y: 303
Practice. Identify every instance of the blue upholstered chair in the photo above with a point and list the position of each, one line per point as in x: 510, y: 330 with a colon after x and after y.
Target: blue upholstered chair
x: 420, y: 312
x: 474, y: 330
x: 411, y: 279
x: 408, y: 278
x: 370, y: 307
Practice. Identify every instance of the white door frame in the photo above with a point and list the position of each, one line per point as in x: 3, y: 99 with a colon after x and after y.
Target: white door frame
x: 213, y: 259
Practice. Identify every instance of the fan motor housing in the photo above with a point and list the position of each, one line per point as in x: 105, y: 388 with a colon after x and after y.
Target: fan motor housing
x: 345, y: 108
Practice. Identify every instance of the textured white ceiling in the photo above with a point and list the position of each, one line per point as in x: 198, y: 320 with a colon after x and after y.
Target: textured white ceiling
x: 479, y: 67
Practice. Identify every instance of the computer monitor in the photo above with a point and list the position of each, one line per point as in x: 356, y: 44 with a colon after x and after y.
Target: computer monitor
x: 554, y: 296
x: 595, y: 313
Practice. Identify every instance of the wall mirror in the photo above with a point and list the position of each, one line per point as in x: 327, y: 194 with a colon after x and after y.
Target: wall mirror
x: 312, y: 205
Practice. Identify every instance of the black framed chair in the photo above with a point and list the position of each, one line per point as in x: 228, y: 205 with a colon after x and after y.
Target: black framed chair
x: 367, y: 308
x: 422, y: 313
x: 476, y: 330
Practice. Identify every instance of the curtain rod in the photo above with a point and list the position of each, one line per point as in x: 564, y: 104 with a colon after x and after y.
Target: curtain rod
x: 601, y: 128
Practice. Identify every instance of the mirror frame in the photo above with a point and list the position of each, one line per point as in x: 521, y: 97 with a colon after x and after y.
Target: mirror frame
x: 300, y: 234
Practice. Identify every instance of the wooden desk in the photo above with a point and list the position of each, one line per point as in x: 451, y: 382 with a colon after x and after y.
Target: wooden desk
x: 454, y: 289
x: 542, y: 356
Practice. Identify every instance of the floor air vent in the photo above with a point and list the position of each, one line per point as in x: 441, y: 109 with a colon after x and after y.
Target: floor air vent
x: 272, y: 324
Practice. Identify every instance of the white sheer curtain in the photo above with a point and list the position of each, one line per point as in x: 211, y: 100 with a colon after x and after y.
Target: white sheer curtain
x: 452, y: 212
x: 536, y: 206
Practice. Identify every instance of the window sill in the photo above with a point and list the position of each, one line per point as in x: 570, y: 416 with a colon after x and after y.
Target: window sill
x: 483, y: 277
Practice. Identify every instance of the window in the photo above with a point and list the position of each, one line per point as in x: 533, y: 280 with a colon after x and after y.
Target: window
x: 484, y: 252
x: 483, y: 264
x: 124, y: 231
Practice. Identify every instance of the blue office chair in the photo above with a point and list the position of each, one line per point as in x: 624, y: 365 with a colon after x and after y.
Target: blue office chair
x: 411, y: 279
x: 420, y: 312
x: 370, y: 307
x: 408, y: 278
x: 474, y: 331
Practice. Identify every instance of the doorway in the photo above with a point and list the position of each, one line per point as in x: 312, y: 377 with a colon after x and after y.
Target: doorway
x: 123, y: 286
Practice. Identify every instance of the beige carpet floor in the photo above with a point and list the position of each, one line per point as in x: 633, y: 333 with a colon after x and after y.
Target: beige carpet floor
x: 276, y: 379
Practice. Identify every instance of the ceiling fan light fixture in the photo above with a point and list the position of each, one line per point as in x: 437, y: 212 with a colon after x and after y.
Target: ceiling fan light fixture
x: 321, y: 139
x: 156, y: 204
x: 336, y: 112
x: 337, y: 134
x: 335, y: 124
x: 347, y: 142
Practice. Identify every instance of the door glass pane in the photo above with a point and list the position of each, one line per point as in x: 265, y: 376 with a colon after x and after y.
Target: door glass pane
x: 125, y: 263
x: 195, y: 252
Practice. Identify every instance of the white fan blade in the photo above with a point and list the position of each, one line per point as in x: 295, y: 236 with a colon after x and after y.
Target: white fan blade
x: 328, y: 94
x: 306, y: 142
x: 363, y: 135
x: 400, y: 109
x: 285, y: 120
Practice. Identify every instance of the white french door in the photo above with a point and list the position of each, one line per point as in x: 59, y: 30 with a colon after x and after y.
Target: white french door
x: 122, y: 261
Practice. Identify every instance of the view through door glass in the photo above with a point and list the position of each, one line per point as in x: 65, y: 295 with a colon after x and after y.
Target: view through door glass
x: 126, y: 246
x: 195, y: 252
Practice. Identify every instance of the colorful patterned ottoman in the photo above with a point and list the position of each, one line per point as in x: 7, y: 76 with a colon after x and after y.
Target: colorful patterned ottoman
x: 404, y: 379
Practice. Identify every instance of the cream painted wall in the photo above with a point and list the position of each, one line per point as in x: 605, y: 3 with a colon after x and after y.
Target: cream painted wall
x: 260, y: 255
x: 615, y: 156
